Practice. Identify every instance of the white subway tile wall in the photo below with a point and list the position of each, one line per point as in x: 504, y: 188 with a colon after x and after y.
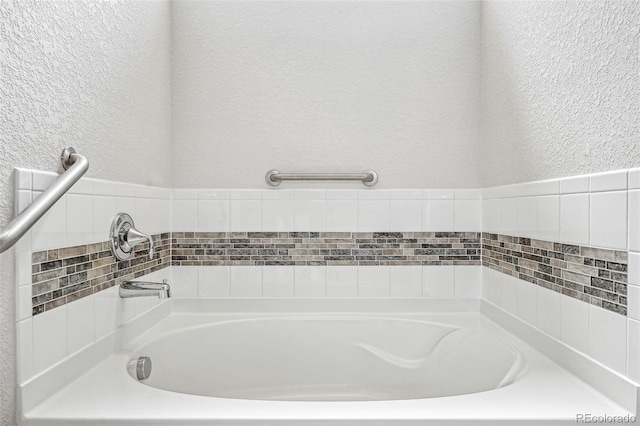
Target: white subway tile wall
x: 601, y: 210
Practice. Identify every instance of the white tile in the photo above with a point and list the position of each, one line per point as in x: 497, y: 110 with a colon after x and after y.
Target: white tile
x: 342, y: 194
x: 310, y: 194
x: 548, y: 311
x: 468, y: 281
x: 213, y: 194
x: 548, y: 218
x: 373, y: 194
x: 23, y: 268
x: 23, y: 200
x: 527, y: 212
x: 438, y: 215
x: 125, y: 310
x: 309, y: 215
x: 608, y: 338
x: 438, y: 281
x: 468, y: 194
x: 104, y: 188
x: 509, y: 216
x: 23, y: 179
x: 574, y: 185
x: 548, y: 187
x: 126, y: 205
x: 277, y: 281
x: 405, y: 215
x: 634, y: 220
x: 468, y: 215
x: 245, y: 281
x: 342, y: 215
x: 184, y: 194
x: 405, y: 194
x: 634, y: 268
x: 104, y: 210
x: 574, y: 323
x: 277, y: 215
x: 213, y: 281
x: 492, y: 285
x: 184, y: 215
x: 80, y: 321
x: 634, y: 178
x: 84, y: 186
x: 609, y: 181
x: 527, y: 304
x: 146, y: 215
x: 41, y: 180
x: 245, y: 194
x: 574, y: 219
x: 246, y: 215
x: 491, y: 219
x: 405, y: 281
x: 49, y: 338
x: 633, y: 350
x: 373, y: 216
x: 125, y: 189
x: 633, y: 301
x: 50, y: 231
x: 310, y: 281
x: 23, y: 305
x: 342, y: 281
x: 277, y: 194
x: 608, y: 215
x: 526, y: 189
x: 373, y: 281
x: 438, y: 194
x: 105, y: 311
x: 509, y: 292
x: 213, y: 216
x: 24, y: 339
x: 184, y: 281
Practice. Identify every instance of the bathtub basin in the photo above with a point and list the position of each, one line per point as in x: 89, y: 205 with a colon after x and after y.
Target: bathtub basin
x: 330, y: 358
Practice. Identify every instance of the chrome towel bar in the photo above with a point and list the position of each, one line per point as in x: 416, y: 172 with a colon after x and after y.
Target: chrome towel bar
x: 368, y: 177
x: 75, y: 166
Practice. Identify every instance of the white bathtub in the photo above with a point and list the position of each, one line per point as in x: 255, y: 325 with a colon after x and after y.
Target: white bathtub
x: 330, y: 358
x: 295, y: 362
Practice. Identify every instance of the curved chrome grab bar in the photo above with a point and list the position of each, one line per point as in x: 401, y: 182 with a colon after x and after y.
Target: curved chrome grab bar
x: 75, y: 166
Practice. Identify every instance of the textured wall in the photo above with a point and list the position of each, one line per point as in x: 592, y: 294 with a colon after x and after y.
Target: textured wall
x: 561, y: 88
x: 91, y: 74
x: 326, y: 86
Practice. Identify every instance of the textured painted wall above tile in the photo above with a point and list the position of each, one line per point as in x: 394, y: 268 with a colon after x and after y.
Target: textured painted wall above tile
x: 326, y: 87
x: 560, y: 88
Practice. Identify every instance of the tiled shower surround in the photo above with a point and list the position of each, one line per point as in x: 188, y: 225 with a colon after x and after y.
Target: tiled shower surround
x: 592, y: 275
x: 63, y: 275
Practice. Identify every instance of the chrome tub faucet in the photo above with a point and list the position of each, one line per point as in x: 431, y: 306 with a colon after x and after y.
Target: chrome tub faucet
x: 144, y: 288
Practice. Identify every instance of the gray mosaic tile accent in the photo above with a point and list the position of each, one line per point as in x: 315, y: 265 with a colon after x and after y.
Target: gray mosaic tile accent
x: 63, y: 275
x: 593, y: 275
x: 325, y: 248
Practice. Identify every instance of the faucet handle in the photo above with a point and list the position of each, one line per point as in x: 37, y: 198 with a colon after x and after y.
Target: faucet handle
x: 124, y: 237
x: 134, y: 237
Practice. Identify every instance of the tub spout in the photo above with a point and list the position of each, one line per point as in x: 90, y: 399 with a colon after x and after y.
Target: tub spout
x: 143, y: 288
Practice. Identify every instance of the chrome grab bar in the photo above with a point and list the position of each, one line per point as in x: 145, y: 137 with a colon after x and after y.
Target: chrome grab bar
x: 368, y: 177
x: 75, y: 166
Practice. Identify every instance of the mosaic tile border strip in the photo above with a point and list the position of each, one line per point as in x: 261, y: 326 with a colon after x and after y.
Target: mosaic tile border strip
x: 593, y: 275
x: 325, y: 248
x: 60, y: 276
